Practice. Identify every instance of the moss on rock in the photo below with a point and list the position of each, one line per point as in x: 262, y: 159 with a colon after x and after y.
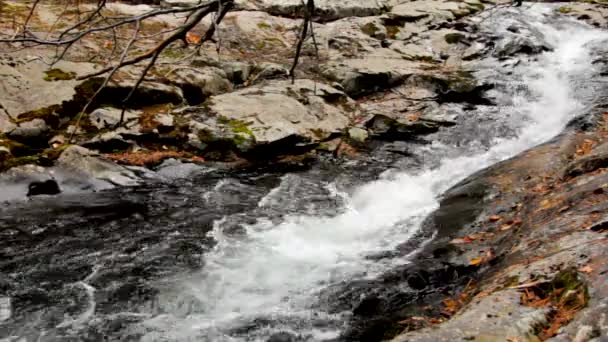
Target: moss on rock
x: 58, y: 75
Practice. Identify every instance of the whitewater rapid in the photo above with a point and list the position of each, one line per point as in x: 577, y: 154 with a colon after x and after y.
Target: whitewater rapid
x: 269, y: 277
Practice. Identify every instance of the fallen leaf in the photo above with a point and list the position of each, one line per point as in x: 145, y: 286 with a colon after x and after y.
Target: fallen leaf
x: 513, y: 339
x: 475, y: 261
x: 495, y: 218
x: 586, y: 269
x: 465, y: 239
x: 192, y: 38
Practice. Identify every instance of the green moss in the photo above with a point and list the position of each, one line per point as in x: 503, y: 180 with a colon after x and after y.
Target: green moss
x: 453, y: 38
x: 58, y: 75
x: 264, y: 26
x: 392, y: 31
x: 14, y: 162
x: 242, y: 135
x: 50, y: 115
x: 174, y: 53
x: 260, y: 45
x: 370, y: 29
x: 511, y: 281
x: 237, y: 126
x: 564, y: 9
x: 474, y: 8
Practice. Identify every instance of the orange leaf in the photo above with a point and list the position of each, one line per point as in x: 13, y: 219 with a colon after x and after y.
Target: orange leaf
x: 495, y: 218
x: 475, y: 261
x: 586, y: 269
x: 192, y: 38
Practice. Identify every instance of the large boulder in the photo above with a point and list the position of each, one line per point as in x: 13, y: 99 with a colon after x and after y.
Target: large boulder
x: 88, y: 163
x: 28, y: 84
x: 379, y: 70
x: 271, y: 113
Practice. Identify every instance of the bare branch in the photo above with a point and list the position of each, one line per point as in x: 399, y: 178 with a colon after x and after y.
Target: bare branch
x: 309, y: 10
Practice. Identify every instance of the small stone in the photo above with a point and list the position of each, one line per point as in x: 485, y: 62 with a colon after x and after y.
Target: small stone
x: 5, y: 153
x: 57, y: 141
x: 358, y: 134
x: 110, y: 117
x: 48, y: 187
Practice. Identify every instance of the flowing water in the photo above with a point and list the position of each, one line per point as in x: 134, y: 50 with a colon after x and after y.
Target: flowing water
x: 266, y: 246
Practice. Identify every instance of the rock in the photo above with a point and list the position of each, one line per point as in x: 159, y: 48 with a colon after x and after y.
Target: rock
x: 5, y: 153
x: 591, y: 13
x: 89, y: 163
x: 237, y: 72
x: 57, y: 141
x: 268, y: 70
x: 596, y: 159
x: 198, y: 84
x: 496, y: 317
x: 415, y: 52
x: 327, y: 10
x: 108, y: 142
x: 47, y: 187
x: 147, y: 94
x: 474, y: 51
x: 519, y: 45
x: 107, y: 117
x: 27, y: 87
x: 277, y: 111
x: 358, y: 134
x: 432, y: 11
x: 30, y: 129
x: 164, y: 120
x: 6, y: 124
x: 381, y: 70
x: 175, y: 169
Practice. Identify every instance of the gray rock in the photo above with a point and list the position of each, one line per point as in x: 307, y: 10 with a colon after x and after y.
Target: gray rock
x: 24, y: 88
x: 358, y: 134
x: 89, y: 163
x: 6, y: 124
x: 198, y: 84
x: 305, y: 111
x: 237, y: 72
x: 108, y: 117
x: 496, y: 317
x: 175, y: 169
x: 30, y: 129
x: 5, y: 153
x: 598, y: 158
x: 380, y: 70
x: 268, y: 70
x: 108, y: 142
x: 57, y: 141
